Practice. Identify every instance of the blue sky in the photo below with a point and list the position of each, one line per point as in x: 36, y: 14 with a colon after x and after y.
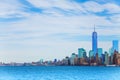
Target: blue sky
x: 48, y: 29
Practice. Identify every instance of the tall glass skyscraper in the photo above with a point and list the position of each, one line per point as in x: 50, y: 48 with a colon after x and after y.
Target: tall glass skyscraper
x: 115, y: 45
x: 94, y: 42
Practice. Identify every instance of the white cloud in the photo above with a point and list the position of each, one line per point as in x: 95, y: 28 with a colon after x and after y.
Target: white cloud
x: 63, y: 4
x: 84, y: 8
x: 41, y: 3
x: 112, y: 8
x: 92, y: 6
x: 42, y: 25
x: 12, y: 9
x: 115, y: 18
x: 53, y: 5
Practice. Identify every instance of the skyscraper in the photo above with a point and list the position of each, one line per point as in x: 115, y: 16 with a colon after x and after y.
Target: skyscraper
x: 91, y: 53
x: 73, y: 56
x: 115, y: 45
x: 81, y: 53
x: 94, y: 42
x: 100, y: 51
x: 106, y: 58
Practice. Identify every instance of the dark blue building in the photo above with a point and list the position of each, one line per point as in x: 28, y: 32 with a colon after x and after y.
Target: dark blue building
x: 94, y: 42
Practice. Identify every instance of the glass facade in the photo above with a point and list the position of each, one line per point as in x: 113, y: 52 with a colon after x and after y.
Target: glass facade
x: 81, y: 53
x: 106, y: 58
x: 100, y: 51
x: 111, y: 52
x: 91, y: 53
x: 94, y: 42
x: 72, y: 59
x: 115, y: 45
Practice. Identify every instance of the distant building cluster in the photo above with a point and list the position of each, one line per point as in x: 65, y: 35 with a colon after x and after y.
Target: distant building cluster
x: 96, y: 57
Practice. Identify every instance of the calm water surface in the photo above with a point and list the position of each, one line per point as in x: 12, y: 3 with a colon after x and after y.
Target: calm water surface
x: 60, y: 73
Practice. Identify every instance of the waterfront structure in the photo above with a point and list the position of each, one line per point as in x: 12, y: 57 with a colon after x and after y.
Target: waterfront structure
x: 111, y: 52
x: 100, y: 51
x: 72, y: 59
x: 102, y: 58
x: 55, y: 60
x: 91, y: 57
x: 94, y: 42
x: 115, y: 45
x: 41, y: 61
x: 96, y: 59
x: 81, y: 53
x: 115, y: 57
x: 82, y: 57
x: 66, y: 61
x: 76, y: 60
x: 91, y: 53
x: 118, y: 59
x: 106, y: 58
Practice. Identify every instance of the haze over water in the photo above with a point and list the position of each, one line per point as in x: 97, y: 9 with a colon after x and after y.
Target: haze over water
x: 59, y: 73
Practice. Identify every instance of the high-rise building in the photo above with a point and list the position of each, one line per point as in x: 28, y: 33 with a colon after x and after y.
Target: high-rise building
x: 81, y: 53
x: 106, y: 58
x: 72, y: 59
x: 100, y: 51
x: 91, y: 57
x: 115, y: 45
x: 91, y: 53
x: 111, y: 52
x: 94, y: 42
x: 103, y: 58
x: 41, y: 61
x: 66, y: 60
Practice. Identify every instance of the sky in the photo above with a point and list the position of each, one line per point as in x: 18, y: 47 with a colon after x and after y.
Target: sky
x: 31, y: 30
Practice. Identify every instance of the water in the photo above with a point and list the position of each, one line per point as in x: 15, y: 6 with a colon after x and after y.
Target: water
x: 60, y: 73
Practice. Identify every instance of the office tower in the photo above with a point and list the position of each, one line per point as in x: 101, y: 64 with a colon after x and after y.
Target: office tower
x: 66, y: 60
x: 111, y: 52
x: 76, y: 60
x: 118, y: 59
x: 94, y: 42
x: 81, y: 53
x: 103, y: 58
x: 106, y: 58
x: 41, y: 61
x: 115, y: 57
x: 100, y: 51
x: 55, y: 60
x: 73, y: 56
x: 91, y: 53
x: 115, y: 45
x: 91, y: 57
x: 96, y: 59
x: 84, y: 54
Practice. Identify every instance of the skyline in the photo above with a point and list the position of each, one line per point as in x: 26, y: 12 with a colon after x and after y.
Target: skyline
x: 34, y: 29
